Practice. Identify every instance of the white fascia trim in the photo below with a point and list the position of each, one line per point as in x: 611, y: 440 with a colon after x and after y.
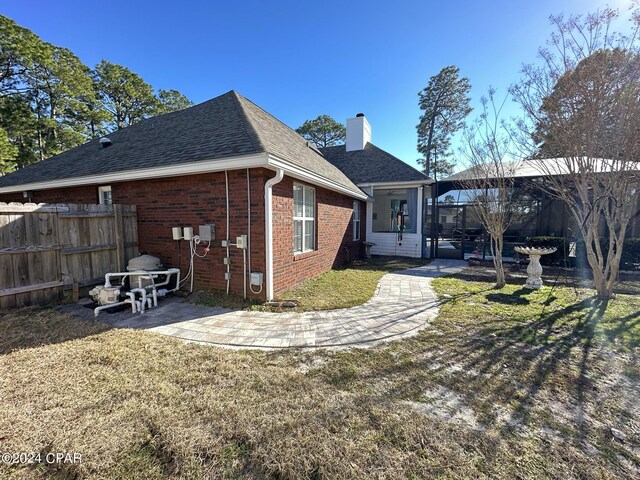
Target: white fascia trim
x: 202, y: 166
x: 303, y: 174
x: 412, y: 183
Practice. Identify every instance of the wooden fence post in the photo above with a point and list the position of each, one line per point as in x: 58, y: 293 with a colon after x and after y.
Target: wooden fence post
x: 75, y: 291
x: 118, y: 228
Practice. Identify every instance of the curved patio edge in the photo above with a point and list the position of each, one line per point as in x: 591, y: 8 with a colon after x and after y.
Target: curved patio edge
x: 403, y: 304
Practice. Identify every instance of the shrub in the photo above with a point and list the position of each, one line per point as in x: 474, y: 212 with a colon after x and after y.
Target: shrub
x: 556, y: 259
x: 630, y: 259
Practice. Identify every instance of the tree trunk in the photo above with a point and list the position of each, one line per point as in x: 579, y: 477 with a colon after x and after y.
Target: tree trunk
x: 432, y: 126
x: 496, y: 252
x: 607, y: 290
x: 603, y: 281
x: 604, y: 292
x: 40, y: 144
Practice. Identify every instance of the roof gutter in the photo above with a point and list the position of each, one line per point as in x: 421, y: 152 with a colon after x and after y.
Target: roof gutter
x: 300, y: 173
x: 192, y: 168
x: 410, y: 183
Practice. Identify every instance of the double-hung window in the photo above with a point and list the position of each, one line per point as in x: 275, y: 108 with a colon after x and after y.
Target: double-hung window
x: 304, y: 218
x: 356, y: 220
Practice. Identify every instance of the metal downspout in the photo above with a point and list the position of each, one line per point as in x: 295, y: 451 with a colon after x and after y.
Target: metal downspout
x: 228, y: 274
x: 268, y: 229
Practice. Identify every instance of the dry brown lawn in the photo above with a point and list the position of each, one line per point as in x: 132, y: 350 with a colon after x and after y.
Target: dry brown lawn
x: 502, y: 386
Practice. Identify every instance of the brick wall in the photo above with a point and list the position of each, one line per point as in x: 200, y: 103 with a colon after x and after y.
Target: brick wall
x: 334, y: 235
x: 199, y: 199
x: 186, y: 201
x: 85, y: 194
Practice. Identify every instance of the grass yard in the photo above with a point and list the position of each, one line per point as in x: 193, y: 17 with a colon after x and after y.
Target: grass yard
x: 503, y: 384
x: 340, y: 288
x: 349, y: 286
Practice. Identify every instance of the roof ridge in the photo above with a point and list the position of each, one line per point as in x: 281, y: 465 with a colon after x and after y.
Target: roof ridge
x: 265, y: 111
x: 372, y: 165
x: 381, y: 150
x: 333, y: 146
x: 252, y: 131
x: 397, y: 158
x: 302, y: 139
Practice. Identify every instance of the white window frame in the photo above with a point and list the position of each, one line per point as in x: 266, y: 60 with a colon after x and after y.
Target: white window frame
x: 356, y: 220
x: 104, y: 189
x: 306, y: 191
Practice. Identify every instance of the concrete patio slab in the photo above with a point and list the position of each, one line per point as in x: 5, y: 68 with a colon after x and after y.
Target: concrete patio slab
x: 403, y: 304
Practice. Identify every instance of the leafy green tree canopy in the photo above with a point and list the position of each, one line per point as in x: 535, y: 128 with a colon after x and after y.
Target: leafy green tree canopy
x: 50, y: 81
x: 323, y: 131
x: 445, y: 105
x: 126, y: 96
x: 57, y: 85
x: 172, y: 101
x: 589, y: 107
x: 20, y: 125
x: 8, y: 152
x: 20, y: 48
x: 50, y: 101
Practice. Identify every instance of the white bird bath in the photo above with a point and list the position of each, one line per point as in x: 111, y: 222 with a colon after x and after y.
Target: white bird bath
x: 534, y: 270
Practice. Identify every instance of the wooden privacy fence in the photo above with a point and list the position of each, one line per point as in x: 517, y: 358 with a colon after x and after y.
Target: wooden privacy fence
x: 46, y: 248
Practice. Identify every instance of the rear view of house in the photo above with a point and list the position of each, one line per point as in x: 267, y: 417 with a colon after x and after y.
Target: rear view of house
x: 230, y: 164
x: 225, y: 162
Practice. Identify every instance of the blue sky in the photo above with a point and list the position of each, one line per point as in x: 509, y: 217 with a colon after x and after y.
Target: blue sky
x: 300, y: 59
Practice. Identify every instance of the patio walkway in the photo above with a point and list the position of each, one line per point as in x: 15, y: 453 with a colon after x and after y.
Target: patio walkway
x: 404, y: 303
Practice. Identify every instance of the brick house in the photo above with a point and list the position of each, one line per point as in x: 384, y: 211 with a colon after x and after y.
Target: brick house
x: 225, y: 162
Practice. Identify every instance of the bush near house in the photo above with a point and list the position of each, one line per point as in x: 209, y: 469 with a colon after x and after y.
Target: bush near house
x: 556, y: 259
x: 631, y: 254
x: 630, y: 259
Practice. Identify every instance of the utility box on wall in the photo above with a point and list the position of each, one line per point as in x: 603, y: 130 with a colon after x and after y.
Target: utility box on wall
x: 207, y: 233
x: 256, y: 279
x: 241, y: 241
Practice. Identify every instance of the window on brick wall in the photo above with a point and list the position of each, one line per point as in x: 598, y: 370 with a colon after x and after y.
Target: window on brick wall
x: 356, y: 220
x: 304, y: 218
x: 104, y: 195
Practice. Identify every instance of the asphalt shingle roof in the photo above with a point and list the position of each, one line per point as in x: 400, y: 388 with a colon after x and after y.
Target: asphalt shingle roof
x: 223, y: 127
x: 371, y: 165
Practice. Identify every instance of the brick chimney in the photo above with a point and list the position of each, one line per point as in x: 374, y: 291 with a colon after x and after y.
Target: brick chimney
x: 358, y: 133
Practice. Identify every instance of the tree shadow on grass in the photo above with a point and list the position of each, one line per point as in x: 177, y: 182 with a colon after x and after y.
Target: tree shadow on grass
x: 624, y: 326
x: 508, y: 298
x: 512, y: 365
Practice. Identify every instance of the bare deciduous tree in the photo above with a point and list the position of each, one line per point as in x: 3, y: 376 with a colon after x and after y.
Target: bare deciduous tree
x: 486, y: 148
x: 582, y: 105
